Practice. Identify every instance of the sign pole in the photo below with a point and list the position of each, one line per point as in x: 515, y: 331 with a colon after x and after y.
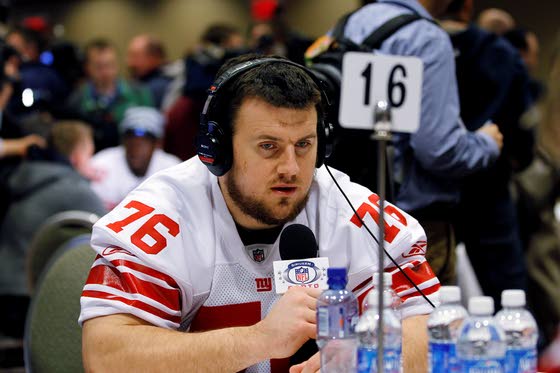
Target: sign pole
x: 382, y: 134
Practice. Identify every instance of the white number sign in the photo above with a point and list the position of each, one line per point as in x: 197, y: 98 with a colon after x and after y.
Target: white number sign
x: 369, y: 78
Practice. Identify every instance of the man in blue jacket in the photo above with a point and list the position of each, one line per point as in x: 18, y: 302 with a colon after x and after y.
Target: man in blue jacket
x: 430, y: 164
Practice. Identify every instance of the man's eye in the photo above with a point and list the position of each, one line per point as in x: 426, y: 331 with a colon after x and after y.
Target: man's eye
x: 303, y: 144
x: 267, y: 146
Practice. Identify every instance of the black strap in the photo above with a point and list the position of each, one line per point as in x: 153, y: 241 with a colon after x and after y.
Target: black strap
x: 338, y: 31
x: 376, y: 38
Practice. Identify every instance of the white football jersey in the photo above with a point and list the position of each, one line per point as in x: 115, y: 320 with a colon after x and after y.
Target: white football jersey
x: 115, y: 180
x: 170, y: 253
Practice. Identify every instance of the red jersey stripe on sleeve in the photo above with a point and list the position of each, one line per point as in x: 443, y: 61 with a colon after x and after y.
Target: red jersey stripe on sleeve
x: 127, y: 282
x: 133, y: 303
x: 144, y: 269
x: 419, y: 272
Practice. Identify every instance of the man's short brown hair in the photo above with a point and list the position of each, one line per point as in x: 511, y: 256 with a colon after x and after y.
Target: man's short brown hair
x: 66, y: 136
x: 98, y: 44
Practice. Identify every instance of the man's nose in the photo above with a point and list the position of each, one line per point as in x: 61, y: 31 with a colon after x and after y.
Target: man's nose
x: 288, y: 163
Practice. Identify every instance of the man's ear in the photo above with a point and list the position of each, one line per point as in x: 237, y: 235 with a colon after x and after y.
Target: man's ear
x: 74, y: 158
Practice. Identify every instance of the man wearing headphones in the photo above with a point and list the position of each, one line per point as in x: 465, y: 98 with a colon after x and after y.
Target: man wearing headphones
x: 177, y: 254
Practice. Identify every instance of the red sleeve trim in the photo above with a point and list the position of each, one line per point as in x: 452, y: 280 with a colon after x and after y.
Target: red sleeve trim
x: 418, y: 272
x: 128, y: 283
x: 144, y: 269
x: 133, y: 303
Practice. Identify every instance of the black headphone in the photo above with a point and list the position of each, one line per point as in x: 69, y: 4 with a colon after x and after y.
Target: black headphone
x: 214, y: 147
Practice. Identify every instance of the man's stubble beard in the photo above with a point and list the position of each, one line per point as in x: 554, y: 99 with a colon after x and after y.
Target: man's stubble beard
x: 256, y: 208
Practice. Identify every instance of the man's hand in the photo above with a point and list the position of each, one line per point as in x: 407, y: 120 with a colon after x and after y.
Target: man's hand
x: 18, y: 147
x: 290, y: 323
x: 313, y: 365
x: 493, y: 131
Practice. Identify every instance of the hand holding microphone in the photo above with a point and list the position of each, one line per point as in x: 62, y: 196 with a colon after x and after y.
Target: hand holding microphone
x: 301, y: 267
x: 292, y: 320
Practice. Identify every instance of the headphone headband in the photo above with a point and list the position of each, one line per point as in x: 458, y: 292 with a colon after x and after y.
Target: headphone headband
x: 248, y: 65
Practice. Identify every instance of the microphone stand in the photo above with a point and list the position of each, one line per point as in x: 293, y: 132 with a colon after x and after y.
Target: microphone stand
x: 382, y: 134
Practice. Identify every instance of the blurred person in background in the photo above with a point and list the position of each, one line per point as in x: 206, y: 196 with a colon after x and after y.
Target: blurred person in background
x: 39, y: 84
x: 430, y: 164
x: 527, y: 44
x: 102, y: 100
x: 145, y: 59
x: 497, y: 92
x: 67, y: 59
x: 495, y: 20
x: 123, y: 168
x: 218, y: 43
x: 539, y: 192
x: 53, y: 181
x: 14, y: 141
x: 270, y: 34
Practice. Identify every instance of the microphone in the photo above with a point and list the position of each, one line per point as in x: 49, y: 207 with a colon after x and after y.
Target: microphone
x: 298, y: 242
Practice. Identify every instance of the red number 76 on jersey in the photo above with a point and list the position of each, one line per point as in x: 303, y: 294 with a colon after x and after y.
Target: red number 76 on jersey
x: 391, y: 231
x: 147, y: 229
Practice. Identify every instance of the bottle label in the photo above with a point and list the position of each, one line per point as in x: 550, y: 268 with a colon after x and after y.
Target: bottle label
x: 323, y: 322
x: 367, y: 360
x: 483, y: 366
x: 333, y: 322
x: 443, y: 358
x: 521, y: 360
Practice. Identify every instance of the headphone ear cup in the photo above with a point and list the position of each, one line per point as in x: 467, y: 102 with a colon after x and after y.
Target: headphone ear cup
x: 329, y: 139
x: 324, y: 145
x: 214, y: 150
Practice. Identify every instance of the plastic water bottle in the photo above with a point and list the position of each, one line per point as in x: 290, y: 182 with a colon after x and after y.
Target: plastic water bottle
x: 396, y: 301
x: 481, y: 346
x: 521, y: 333
x: 444, y: 326
x: 337, y: 314
x: 367, y: 330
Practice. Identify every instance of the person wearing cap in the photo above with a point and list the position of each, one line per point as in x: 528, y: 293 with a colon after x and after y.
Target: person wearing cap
x: 122, y: 168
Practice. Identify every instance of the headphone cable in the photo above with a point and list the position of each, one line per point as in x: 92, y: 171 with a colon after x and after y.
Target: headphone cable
x: 375, y: 238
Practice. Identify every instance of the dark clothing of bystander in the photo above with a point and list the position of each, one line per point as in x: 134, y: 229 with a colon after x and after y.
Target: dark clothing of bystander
x: 493, y: 87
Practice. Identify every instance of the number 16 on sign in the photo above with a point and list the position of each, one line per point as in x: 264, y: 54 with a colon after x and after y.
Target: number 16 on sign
x: 369, y: 78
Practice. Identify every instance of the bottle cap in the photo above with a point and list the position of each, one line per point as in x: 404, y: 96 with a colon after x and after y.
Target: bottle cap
x: 513, y: 298
x: 336, y: 276
x: 449, y: 294
x: 373, y: 298
x: 481, y: 306
x: 387, y: 279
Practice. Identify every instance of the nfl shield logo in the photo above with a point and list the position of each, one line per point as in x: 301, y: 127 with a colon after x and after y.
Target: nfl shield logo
x: 258, y: 255
x: 302, y: 274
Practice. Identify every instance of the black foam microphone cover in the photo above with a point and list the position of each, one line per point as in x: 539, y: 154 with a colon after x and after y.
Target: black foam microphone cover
x: 298, y: 242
